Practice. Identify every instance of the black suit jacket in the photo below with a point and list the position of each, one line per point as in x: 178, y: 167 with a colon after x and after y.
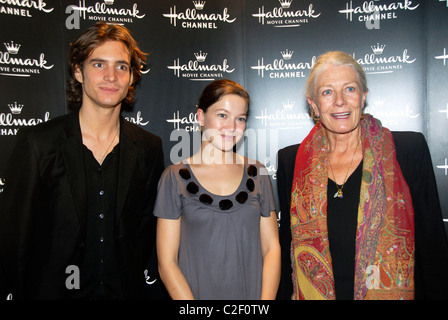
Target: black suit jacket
x: 43, y: 208
x: 431, y: 276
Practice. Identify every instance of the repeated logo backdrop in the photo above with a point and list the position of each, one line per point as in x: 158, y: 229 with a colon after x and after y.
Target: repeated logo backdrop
x: 269, y: 46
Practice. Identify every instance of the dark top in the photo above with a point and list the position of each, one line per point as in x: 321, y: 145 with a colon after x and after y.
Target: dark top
x: 43, y: 211
x: 431, y: 246
x: 98, y: 272
x: 220, y: 242
x: 342, y: 222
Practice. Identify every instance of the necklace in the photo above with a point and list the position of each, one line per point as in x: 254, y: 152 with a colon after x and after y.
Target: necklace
x: 113, y: 139
x: 339, y: 193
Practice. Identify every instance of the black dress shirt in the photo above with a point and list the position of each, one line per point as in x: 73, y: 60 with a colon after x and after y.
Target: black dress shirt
x: 99, y: 273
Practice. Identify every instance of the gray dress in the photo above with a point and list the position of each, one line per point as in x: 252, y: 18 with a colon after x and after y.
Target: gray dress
x: 220, y: 246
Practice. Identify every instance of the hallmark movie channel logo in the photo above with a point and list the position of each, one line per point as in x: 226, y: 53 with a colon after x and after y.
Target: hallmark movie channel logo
x: 199, y: 68
x: 187, y: 122
x: 284, y: 67
x: 106, y: 10
x: 389, y: 113
x: 445, y: 168
x: 14, y: 65
x: 23, y: 8
x: 198, y: 17
x: 443, y: 57
x: 369, y: 11
x: 11, y: 121
x: 286, y: 116
x: 137, y: 119
x: 445, y: 111
x: 286, y: 15
x: 379, y: 61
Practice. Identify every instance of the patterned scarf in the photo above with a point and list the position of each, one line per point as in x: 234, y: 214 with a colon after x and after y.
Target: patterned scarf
x: 384, y: 260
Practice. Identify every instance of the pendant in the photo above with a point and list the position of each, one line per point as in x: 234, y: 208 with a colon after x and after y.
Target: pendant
x: 338, y: 194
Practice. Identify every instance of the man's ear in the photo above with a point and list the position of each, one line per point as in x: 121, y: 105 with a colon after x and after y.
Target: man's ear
x: 131, y: 79
x: 78, y: 74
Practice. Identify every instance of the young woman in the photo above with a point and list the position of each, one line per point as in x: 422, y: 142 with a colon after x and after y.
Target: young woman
x: 217, y: 235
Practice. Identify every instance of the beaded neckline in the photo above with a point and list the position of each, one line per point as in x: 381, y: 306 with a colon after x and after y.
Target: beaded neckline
x: 228, y: 202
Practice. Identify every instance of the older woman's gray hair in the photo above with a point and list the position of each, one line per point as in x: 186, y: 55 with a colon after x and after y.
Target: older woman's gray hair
x: 337, y: 58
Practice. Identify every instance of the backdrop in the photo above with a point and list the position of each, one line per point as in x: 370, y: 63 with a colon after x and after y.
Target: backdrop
x: 269, y: 46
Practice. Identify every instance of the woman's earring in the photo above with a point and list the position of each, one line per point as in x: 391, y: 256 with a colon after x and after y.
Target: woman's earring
x: 316, y: 118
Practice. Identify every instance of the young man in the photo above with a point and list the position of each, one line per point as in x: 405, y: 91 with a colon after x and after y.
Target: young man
x: 76, y: 214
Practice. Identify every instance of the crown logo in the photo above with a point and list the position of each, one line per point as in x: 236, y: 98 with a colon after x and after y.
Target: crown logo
x: 285, y: 3
x: 199, y: 5
x: 15, y: 108
x: 288, y: 105
x: 378, y: 49
x: 287, y: 54
x: 200, y: 57
x: 109, y: 2
x: 12, y: 48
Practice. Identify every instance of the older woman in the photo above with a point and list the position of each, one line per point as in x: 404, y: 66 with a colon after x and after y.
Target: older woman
x: 361, y: 201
